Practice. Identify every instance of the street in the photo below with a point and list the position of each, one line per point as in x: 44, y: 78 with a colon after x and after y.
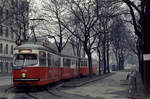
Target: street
x: 107, y: 88
x: 74, y: 49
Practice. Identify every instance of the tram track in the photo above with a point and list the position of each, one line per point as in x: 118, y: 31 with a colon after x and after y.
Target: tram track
x: 53, y: 90
x: 35, y: 93
x: 33, y: 97
x: 54, y: 94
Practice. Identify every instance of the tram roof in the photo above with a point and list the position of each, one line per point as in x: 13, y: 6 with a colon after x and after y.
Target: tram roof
x: 35, y: 46
x: 39, y: 46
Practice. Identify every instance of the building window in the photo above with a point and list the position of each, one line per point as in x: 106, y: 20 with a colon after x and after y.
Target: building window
x: 6, y: 48
x: 12, y: 33
x: 12, y: 2
x: 6, y: 32
x: 6, y: 67
x: 1, y: 30
x: 1, y: 12
x: 13, y: 18
x: 16, y: 3
x: 16, y: 18
x: 1, y: 67
x: 7, y: 13
x: 1, y: 48
x: 12, y: 48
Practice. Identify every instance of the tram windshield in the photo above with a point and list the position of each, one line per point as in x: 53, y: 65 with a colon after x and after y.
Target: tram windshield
x: 25, y: 59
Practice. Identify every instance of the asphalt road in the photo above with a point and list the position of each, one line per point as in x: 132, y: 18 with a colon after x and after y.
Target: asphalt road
x: 107, y: 88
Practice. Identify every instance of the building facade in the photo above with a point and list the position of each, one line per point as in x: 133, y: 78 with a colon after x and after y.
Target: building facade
x: 10, y: 30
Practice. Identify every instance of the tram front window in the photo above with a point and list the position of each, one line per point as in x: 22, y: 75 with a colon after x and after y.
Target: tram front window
x: 25, y: 59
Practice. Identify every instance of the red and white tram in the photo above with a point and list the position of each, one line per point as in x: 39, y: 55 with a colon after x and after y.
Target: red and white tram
x: 37, y: 65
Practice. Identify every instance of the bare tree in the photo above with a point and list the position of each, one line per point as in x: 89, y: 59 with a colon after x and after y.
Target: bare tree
x: 106, y: 11
x: 99, y: 51
x: 18, y: 16
x: 76, y: 46
x: 54, y: 12
x: 83, y: 11
x: 132, y: 43
x: 21, y: 19
x: 119, y: 41
x: 4, y: 4
x: 76, y: 43
x: 141, y: 28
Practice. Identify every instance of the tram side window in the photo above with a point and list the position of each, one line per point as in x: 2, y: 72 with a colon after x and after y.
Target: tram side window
x: 74, y: 62
x: 52, y: 61
x: 85, y: 63
x: 77, y: 63
x: 42, y: 58
x: 57, y: 61
x: 81, y: 63
x: 66, y: 62
x: 71, y: 62
x: 49, y: 60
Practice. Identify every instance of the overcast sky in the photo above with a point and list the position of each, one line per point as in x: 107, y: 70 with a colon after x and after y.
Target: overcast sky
x: 38, y: 3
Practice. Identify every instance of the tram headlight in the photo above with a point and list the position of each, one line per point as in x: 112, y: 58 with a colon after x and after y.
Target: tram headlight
x: 23, y: 75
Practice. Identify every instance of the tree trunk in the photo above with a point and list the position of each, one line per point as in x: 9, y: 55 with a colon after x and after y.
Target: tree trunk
x: 104, y: 58
x: 99, y: 60
x: 90, y: 63
x: 117, y: 60
x: 89, y: 54
x: 107, y: 52
x: 59, y: 50
x: 146, y: 45
x: 121, y: 64
x: 140, y: 59
x: 79, y: 68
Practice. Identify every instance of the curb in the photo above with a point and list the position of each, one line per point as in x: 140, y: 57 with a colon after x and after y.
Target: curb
x: 86, y: 82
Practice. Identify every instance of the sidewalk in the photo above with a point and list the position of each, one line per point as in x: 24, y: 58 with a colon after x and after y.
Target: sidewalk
x: 106, y: 87
x: 84, y: 80
x: 5, y: 74
x: 137, y: 91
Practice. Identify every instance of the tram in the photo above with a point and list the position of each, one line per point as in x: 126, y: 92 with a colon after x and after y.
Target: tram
x: 38, y: 65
